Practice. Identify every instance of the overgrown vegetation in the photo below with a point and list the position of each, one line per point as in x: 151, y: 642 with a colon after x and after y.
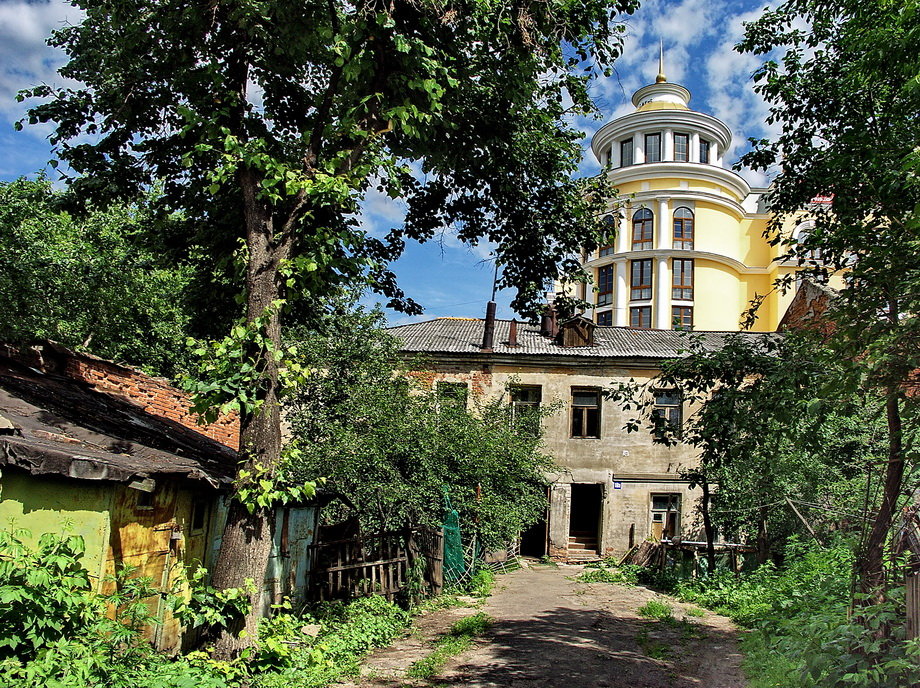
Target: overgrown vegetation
x: 55, y: 630
x: 394, y: 446
x: 457, y: 640
x: 103, y: 280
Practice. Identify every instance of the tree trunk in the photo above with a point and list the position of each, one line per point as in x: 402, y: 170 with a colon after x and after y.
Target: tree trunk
x: 763, y: 541
x: 708, y: 529
x: 247, y: 538
x: 872, y: 567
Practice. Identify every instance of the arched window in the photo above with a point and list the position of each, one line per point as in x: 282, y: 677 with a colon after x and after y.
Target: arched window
x: 610, y: 226
x: 643, y: 226
x: 683, y: 228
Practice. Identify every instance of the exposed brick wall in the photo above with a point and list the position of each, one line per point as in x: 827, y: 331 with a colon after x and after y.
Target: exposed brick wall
x: 155, y: 395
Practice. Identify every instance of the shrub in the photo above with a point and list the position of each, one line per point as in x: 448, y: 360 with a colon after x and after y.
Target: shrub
x: 655, y: 609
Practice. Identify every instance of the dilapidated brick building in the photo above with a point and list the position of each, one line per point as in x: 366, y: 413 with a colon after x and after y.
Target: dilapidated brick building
x: 613, y: 489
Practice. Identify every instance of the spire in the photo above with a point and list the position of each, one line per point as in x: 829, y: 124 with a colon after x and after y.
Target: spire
x: 661, y: 77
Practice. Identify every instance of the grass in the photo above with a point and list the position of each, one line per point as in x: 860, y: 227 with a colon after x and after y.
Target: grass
x: 604, y: 575
x: 696, y: 611
x: 457, y: 640
x: 654, y: 609
x: 652, y: 648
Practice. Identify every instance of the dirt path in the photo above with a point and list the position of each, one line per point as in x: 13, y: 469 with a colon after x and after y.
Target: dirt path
x: 551, y: 631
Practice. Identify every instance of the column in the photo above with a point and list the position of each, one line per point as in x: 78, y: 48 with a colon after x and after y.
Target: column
x: 621, y: 294
x: 663, y: 288
x: 667, y: 146
x: 638, y: 148
x: 615, y: 154
x: 664, y: 234
x: 694, y: 147
x: 624, y: 236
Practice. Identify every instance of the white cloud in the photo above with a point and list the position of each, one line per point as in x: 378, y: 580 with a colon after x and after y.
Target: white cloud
x: 25, y: 59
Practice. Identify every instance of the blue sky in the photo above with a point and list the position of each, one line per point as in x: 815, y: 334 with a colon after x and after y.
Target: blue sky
x: 449, y: 279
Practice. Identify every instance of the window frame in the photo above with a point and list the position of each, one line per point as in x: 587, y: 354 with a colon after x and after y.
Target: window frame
x: 682, y: 290
x: 679, y: 314
x: 643, y: 290
x: 604, y: 285
x: 705, y: 146
x: 645, y: 227
x: 686, y: 226
x: 445, y: 397
x: 627, y: 145
x: 653, y: 137
x: 674, y: 499
x: 686, y: 146
x: 641, y: 311
x: 582, y: 412
x: 673, y: 413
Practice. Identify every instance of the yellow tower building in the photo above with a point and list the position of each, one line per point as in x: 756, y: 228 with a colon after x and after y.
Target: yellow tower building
x: 689, y: 250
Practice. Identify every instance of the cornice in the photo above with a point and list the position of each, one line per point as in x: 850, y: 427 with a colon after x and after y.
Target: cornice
x: 733, y: 263
x: 713, y: 174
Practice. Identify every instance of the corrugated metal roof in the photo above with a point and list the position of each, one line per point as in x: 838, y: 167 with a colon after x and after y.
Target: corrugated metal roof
x: 464, y: 336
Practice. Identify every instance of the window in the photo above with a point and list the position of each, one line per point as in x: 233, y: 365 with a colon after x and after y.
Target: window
x: 626, y: 153
x: 525, y: 407
x: 605, y: 318
x: 681, y: 147
x: 683, y: 228
x: 653, y: 148
x: 452, y: 393
x: 643, y: 227
x: 199, y: 515
x: 682, y: 317
x: 704, y: 151
x: 586, y: 413
x: 682, y: 279
x: 145, y: 500
x: 668, y: 408
x: 640, y: 316
x: 641, y: 279
x: 665, y: 516
x: 610, y: 225
x: 604, y: 285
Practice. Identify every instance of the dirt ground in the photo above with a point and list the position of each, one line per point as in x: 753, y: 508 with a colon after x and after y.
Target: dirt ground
x: 552, y: 631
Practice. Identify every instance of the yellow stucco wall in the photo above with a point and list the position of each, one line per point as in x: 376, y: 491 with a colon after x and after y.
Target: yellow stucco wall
x: 53, y: 505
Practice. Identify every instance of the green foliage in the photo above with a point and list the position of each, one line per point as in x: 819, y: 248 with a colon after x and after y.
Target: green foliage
x: 481, y: 583
x: 457, y: 640
x: 392, y: 446
x: 347, y: 632
x: 54, y: 629
x: 613, y: 575
x: 802, y: 634
x: 656, y: 609
x: 44, y: 593
x: 204, y: 605
x: 98, y: 280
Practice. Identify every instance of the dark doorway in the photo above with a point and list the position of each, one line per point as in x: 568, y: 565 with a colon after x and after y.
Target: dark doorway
x: 533, y: 540
x: 585, y: 517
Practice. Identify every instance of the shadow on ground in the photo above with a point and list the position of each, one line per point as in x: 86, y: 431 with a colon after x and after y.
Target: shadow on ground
x: 582, y: 647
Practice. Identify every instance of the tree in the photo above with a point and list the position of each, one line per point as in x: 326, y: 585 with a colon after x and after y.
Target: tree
x: 768, y: 427
x: 93, y: 281
x: 268, y: 121
x: 844, y: 90
x: 393, y: 448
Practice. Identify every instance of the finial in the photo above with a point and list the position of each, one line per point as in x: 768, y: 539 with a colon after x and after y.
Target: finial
x: 661, y: 77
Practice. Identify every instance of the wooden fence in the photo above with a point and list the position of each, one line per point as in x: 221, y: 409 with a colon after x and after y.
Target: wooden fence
x: 377, y: 564
x: 912, y: 585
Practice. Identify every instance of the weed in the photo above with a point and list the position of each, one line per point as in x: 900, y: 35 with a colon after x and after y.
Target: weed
x: 457, y: 640
x: 655, y: 609
x: 481, y: 583
x: 652, y: 648
x: 696, y: 611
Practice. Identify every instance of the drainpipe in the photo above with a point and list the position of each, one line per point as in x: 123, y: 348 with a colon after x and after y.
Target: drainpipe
x: 488, y: 333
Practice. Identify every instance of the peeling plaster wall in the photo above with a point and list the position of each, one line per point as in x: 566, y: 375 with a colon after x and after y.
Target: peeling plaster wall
x: 628, y: 466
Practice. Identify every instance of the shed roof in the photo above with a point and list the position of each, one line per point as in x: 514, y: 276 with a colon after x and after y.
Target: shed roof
x: 464, y: 336
x: 62, y: 426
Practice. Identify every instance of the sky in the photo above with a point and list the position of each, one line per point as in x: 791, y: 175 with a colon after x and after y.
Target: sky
x: 447, y: 278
